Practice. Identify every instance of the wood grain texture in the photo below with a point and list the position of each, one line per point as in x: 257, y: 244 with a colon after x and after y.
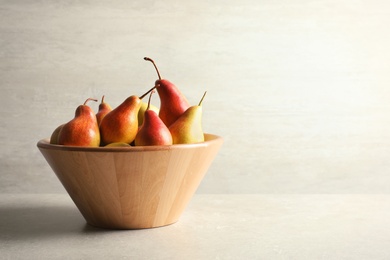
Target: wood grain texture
x: 134, y: 187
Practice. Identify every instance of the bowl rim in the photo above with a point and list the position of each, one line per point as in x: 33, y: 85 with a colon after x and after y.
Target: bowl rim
x: 209, y: 139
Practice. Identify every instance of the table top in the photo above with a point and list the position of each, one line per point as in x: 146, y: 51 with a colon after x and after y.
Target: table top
x: 220, y: 226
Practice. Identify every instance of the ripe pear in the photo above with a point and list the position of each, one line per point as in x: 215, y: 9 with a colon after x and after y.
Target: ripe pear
x: 153, y: 131
x: 104, y: 109
x: 141, y: 112
x: 172, y: 101
x: 188, y: 128
x: 54, y: 135
x: 121, y: 124
x: 117, y: 144
x: 82, y: 130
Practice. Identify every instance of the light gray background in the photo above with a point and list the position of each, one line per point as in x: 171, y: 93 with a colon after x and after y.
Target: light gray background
x: 298, y: 89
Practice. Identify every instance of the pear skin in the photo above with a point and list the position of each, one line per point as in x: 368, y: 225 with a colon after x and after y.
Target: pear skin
x: 82, y: 130
x: 172, y: 101
x: 118, y: 144
x: 121, y: 124
x: 143, y: 108
x: 187, y: 129
x: 153, y: 131
x: 54, y: 135
x: 104, y: 109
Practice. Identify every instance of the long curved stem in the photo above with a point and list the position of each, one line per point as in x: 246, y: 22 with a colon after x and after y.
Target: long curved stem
x: 154, y: 64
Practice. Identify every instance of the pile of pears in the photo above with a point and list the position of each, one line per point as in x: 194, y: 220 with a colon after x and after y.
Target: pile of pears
x: 135, y: 122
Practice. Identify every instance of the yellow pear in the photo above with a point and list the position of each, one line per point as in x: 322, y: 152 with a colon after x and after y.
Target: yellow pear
x: 187, y: 129
x: 143, y: 108
x: 118, y: 144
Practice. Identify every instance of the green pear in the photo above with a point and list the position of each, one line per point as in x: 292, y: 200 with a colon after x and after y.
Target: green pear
x: 153, y: 131
x: 104, y: 109
x: 143, y: 108
x: 121, y: 124
x: 187, y: 129
x: 54, y: 135
x: 82, y: 130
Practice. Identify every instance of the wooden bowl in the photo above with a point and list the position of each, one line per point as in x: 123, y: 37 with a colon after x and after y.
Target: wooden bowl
x: 131, y: 187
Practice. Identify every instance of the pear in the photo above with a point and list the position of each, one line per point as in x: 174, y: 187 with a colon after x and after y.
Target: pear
x: 82, y: 130
x: 188, y: 128
x: 54, y: 135
x: 153, y: 131
x: 118, y: 144
x: 172, y: 101
x: 104, y: 109
x: 143, y: 108
x: 121, y: 123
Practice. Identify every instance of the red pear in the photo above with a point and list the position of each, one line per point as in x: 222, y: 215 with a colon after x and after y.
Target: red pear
x: 82, y: 130
x: 153, y: 131
x: 104, y: 109
x: 172, y: 101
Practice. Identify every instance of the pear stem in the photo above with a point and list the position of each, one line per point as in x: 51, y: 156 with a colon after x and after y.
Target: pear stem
x: 150, y: 97
x: 154, y: 64
x: 200, y: 102
x: 102, y: 99
x: 89, y: 99
x: 147, y: 92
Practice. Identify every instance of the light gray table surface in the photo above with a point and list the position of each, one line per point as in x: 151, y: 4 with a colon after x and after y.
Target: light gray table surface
x: 49, y: 226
